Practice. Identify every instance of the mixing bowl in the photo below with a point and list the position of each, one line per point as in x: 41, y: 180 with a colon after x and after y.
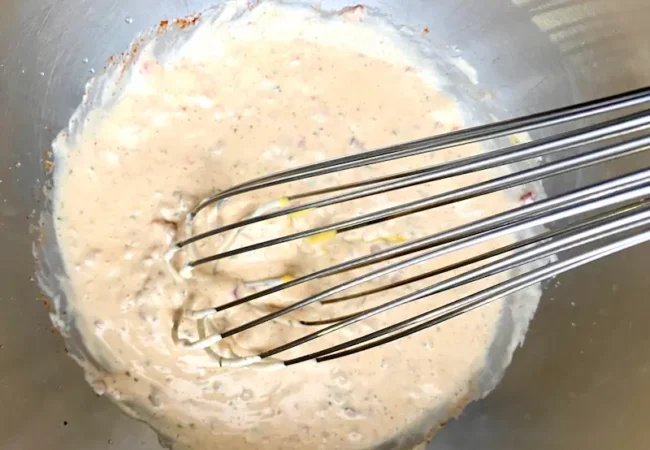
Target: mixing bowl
x: 582, y: 378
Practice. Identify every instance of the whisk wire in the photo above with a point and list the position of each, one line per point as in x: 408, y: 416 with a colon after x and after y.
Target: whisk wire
x: 624, y: 189
x: 617, y: 211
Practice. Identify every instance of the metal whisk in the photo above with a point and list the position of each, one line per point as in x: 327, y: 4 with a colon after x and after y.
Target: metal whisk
x: 612, y: 215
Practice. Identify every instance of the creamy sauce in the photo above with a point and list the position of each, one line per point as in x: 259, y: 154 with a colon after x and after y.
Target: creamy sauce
x: 228, y: 105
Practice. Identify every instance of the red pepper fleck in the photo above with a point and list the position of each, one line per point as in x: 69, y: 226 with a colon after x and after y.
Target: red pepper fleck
x: 528, y: 197
x: 426, y: 30
x: 187, y: 21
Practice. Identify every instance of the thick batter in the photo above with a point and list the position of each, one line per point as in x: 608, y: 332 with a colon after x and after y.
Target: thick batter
x: 277, y: 87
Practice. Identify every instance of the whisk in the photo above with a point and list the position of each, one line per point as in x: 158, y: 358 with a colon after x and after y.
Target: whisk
x: 611, y: 215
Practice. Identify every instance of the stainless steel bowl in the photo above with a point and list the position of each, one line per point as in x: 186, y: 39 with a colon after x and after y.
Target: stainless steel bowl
x: 583, y: 377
